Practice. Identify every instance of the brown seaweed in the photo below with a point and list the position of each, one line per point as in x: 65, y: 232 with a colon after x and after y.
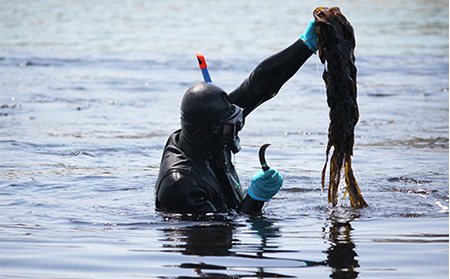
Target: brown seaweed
x: 336, y: 46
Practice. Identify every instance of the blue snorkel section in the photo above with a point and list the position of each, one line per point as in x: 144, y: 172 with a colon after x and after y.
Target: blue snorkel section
x: 203, y: 67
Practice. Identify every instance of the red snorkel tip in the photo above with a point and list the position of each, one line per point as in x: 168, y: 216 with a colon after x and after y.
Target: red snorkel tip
x: 201, y: 61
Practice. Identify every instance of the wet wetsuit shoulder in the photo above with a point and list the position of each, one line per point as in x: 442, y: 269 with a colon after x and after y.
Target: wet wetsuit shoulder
x: 184, y: 185
x: 269, y: 76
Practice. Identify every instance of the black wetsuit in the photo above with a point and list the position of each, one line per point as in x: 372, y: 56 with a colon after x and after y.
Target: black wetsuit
x: 190, y: 181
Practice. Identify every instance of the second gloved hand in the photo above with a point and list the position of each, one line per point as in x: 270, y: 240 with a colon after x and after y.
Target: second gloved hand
x: 310, y: 36
x: 265, y: 184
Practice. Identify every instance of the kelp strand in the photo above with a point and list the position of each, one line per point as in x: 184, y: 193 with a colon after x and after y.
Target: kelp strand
x: 336, y: 46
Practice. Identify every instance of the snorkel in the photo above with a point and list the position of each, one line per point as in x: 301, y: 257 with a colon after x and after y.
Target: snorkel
x: 203, y: 66
x: 232, y: 122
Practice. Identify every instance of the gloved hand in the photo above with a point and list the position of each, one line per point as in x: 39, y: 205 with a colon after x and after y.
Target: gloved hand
x: 310, y: 36
x: 265, y: 184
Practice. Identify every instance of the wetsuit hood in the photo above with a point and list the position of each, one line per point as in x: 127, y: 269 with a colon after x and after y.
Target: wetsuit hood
x: 207, y: 115
x: 204, y: 104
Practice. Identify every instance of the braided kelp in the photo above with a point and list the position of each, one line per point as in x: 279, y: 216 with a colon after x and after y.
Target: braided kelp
x: 336, y: 46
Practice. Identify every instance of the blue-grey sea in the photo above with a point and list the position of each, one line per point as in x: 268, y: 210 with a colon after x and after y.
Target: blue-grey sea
x: 90, y: 91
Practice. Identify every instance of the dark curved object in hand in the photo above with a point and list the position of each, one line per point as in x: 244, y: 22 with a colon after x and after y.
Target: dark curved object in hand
x: 262, y: 156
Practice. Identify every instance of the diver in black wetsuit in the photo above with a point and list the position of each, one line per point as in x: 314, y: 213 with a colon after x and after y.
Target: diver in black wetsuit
x: 196, y: 173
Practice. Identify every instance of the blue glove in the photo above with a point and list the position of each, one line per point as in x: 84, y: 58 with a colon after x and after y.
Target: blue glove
x: 310, y: 36
x: 265, y: 184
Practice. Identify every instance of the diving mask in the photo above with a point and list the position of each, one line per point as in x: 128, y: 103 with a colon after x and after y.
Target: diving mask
x: 228, y: 127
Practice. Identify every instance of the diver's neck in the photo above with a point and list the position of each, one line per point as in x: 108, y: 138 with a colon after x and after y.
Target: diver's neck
x: 192, y: 148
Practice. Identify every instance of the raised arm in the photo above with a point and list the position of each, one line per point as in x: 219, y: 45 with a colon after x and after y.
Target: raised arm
x: 269, y: 76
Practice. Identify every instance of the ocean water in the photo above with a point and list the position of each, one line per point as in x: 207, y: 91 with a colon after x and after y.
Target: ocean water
x: 90, y: 91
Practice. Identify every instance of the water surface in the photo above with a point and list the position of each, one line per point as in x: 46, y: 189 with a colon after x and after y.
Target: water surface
x: 90, y: 93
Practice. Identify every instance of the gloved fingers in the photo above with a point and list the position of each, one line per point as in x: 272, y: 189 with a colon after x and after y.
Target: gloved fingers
x: 262, y: 175
x: 310, y: 30
x: 265, y: 175
x: 270, y: 178
x: 310, y: 36
x: 311, y: 27
x: 274, y: 179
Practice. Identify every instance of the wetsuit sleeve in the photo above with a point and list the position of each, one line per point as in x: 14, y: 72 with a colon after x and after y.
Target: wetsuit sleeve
x: 250, y: 206
x: 180, y: 193
x: 269, y: 76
